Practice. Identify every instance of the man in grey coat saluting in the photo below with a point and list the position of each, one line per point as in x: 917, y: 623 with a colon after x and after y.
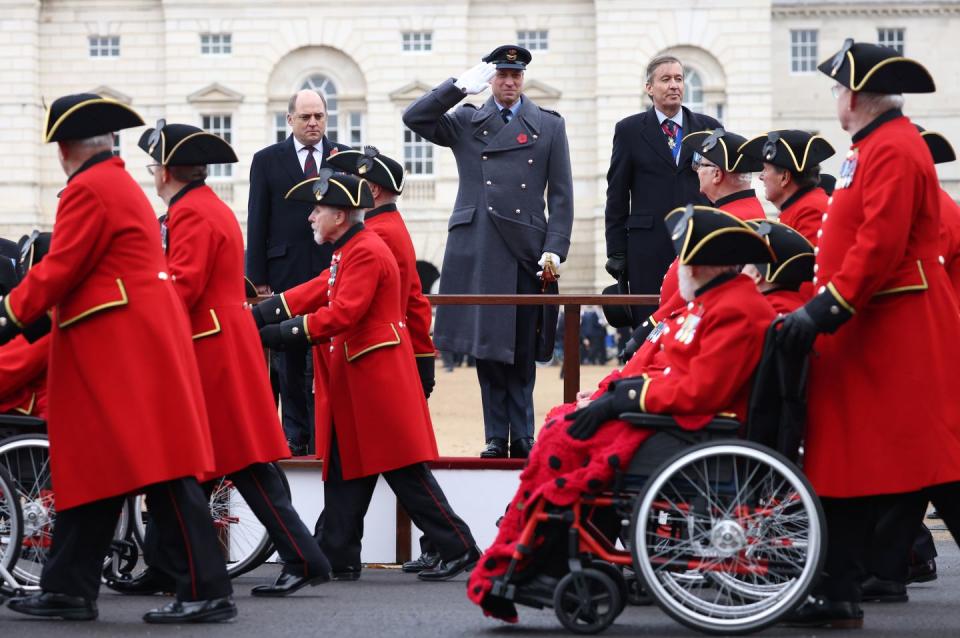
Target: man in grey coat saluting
x: 508, y: 151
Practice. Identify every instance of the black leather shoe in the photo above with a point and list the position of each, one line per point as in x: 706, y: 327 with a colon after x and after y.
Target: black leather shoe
x: 297, y: 449
x: 496, y: 449
x: 876, y: 590
x: 922, y: 572
x: 820, y: 612
x: 287, y: 583
x: 536, y: 592
x: 520, y: 448
x: 346, y: 573
x: 50, y: 605
x: 194, y: 611
x: 151, y: 581
x: 447, y: 569
x: 426, y: 560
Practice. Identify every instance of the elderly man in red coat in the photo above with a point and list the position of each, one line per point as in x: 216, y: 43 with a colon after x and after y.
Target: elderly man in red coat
x: 883, y: 326
x: 23, y: 365
x: 126, y: 412
x: 372, y: 417
x: 781, y: 281
x: 204, y: 248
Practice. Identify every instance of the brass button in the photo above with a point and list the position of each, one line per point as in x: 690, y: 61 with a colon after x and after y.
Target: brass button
x: 277, y: 312
x: 489, y: 182
x: 490, y: 208
x: 483, y: 157
x: 822, y: 289
x: 824, y: 218
x: 523, y: 187
x: 816, y: 267
x: 162, y: 276
x: 834, y: 310
x: 820, y: 233
x: 942, y: 260
x: 295, y: 330
x: 529, y: 161
x: 517, y: 211
x: 535, y: 136
x: 484, y: 132
x: 3, y: 322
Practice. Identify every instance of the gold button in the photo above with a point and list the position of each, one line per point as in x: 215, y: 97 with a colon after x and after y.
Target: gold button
x: 162, y: 276
x: 820, y: 233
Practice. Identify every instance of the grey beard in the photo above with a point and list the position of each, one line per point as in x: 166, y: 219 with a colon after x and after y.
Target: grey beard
x: 688, y: 285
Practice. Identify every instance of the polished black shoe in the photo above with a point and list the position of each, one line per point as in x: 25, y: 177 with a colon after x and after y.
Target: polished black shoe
x: 447, y: 569
x: 194, y: 611
x: 426, y: 560
x: 922, y: 572
x: 496, y: 449
x: 820, y: 612
x: 297, y: 449
x: 520, y: 448
x: 877, y: 590
x: 151, y: 581
x: 287, y: 583
x: 50, y: 605
x: 346, y: 573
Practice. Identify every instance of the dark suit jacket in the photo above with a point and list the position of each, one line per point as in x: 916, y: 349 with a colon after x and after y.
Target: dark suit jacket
x: 280, y: 247
x: 644, y: 183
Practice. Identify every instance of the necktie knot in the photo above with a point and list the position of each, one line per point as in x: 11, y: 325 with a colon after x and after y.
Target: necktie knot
x: 506, y: 114
x: 670, y: 128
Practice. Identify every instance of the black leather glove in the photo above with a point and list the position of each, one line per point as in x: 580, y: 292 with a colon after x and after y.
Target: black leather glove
x: 636, y: 340
x: 586, y: 421
x: 823, y: 313
x: 616, y: 265
x: 285, y: 335
x: 36, y: 330
x: 8, y: 327
x: 426, y: 367
x: 270, y: 311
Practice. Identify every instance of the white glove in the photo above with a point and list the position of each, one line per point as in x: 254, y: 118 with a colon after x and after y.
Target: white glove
x: 553, y: 257
x: 477, y: 79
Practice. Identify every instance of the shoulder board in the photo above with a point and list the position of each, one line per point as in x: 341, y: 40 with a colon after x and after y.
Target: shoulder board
x: 549, y: 111
x: 468, y: 105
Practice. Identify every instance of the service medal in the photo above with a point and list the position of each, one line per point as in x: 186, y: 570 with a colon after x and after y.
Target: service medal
x: 848, y: 168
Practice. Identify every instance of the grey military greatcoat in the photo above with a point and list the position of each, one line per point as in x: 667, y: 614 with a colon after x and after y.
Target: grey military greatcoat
x: 501, y: 223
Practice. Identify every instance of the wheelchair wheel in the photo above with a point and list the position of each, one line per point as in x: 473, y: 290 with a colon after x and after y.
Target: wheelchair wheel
x: 11, y: 523
x: 728, y: 537
x: 618, y: 579
x: 586, y: 601
x: 243, y: 539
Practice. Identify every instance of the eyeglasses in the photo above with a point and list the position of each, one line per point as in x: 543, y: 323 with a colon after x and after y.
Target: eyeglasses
x: 152, y: 168
x: 306, y: 117
x: 699, y: 162
x: 835, y: 91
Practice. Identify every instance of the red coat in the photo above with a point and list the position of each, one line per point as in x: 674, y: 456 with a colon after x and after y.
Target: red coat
x: 386, y: 222
x: 125, y: 405
x: 368, y: 386
x: 883, y: 415
x: 950, y: 238
x: 700, y: 361
x: 23, y: 376
x: 786, y: 301
x: 804, y: 211
x: 205, y: 261
x: 743, y: 205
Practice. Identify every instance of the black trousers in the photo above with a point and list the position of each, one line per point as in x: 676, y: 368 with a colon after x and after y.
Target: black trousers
x: 187, y: 548
x: 888, y: 552
x: 340, y: 526
x: 295, y: 379
x: 262, y: 488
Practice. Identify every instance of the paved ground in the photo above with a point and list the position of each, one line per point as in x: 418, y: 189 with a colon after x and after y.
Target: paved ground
x: 389, y: 603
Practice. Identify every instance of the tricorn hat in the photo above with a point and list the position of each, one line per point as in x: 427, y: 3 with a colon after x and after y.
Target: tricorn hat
x: 509, y: 56
x: 339, y: 190
x: 794, y: 254
x: 617, y: 315
x: 861, y: 66
x: 371, y: 165
x: 792, y: 149
x: 706, y: 236
x: 83, y: 115
x: 33, y: 248
x: 185, y: 145
x: 939, y: 146
x: 8, y: 276
x: 721, y: 147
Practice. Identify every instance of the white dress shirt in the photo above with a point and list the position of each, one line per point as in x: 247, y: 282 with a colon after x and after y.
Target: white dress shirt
x: 302, y: 152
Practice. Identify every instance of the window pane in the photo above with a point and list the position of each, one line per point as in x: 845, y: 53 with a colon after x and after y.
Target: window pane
x: 803, y: 50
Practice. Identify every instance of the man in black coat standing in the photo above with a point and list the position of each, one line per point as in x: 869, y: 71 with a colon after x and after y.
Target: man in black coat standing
x: 281, y: 252
x: 650, y: 175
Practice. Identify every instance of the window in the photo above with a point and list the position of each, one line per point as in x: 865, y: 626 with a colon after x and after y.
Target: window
x: 356, y: 129
x: 892, y: 38
x: 693, y: 91
x: 104, y: 46
x: 216, y: 43
x: 417, y: 40
x: 280, y: 128
x: 535, y: 40
x: 803, y: 51
x: 116, y: 145
x: 417, y: 154
x: 221, y: 125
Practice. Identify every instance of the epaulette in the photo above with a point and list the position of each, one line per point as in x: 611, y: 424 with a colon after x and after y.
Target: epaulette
x: 549, y: 111
x: 469, y: 105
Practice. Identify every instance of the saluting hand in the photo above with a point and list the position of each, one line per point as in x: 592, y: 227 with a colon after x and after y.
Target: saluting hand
x: 477, y: 79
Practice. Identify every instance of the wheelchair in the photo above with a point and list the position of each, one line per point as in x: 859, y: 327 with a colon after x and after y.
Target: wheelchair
x: 721, y: 529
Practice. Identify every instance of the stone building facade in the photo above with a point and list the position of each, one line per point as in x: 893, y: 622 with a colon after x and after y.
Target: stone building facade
x: 230, y: 66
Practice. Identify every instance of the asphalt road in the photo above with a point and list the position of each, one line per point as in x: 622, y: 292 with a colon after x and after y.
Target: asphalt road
x: 386, y: 602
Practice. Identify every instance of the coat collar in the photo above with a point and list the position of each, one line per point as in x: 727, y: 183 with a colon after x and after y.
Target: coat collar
x: 793, y: 199
x: 93, y: 160
x: 732, y: 197
x: 347, y: 236
x: 197, y: 183
x: 524, y: 126
x: 385, y: 208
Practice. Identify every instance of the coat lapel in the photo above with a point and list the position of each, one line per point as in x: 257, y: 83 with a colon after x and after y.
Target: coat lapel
x: 691, y: 124
x: 654, y: 136
x: 486, y: 122
x: 290, y: 161
x: 522, y: 131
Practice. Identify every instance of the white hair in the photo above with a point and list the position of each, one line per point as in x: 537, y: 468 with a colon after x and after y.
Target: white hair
x: 97, y: 141
x: 355, y: 215
x: 744, y: 179
x: 877, y: 103
x: 690, y: 284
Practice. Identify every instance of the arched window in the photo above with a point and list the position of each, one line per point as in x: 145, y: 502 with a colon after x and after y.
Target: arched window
x: 325, y: 86
x: 693, y: 91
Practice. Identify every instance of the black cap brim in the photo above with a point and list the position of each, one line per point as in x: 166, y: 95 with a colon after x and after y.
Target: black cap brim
x: 78, y: 117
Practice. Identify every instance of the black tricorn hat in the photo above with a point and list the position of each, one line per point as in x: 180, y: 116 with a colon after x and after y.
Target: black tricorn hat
x: 861, y: 66
x: 792, y: 149
x: 185, y: 145
x: 828, y: 182
x: 721, y: 147
x: 618, y: 315
x: 939, y: 146
x: 509, y: 56
x: 371, y: 165
x: 795, y: 256
x: 8, y: 276
x: 705, y: 236
x: 9, y: 249
x: 33, y: 248
x: 339, y: 190
x: 83, y: 115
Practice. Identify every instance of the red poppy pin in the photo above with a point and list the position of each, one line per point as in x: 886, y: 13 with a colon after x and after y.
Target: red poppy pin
x: 522, y: 138
x: 333, y: 151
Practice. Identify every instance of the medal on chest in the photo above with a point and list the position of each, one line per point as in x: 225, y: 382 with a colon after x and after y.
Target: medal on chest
x: 655, y: 334
x: 164, y: 234
x: 688, y: 327
x: 848, y: 168
x: 334, y: 267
